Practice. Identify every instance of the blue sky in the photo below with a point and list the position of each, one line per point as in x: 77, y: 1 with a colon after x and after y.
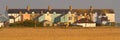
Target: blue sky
x: 110, y: 4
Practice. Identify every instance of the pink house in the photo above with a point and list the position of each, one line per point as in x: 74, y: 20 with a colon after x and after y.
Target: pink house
x: 26, y: 16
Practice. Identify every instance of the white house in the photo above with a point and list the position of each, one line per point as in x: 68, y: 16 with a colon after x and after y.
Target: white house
x: 1, y: 24
x: 87, y: 24
x: 11, y: 19
x: 16, y: 16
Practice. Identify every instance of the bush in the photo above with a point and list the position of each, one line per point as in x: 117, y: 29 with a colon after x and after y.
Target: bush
x: 112, y: 24
x: 39, y: 24
x: 16, y: 24
x: 26, y: 23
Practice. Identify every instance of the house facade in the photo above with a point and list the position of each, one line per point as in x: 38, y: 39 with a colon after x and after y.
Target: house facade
x: 11, y: 19
x: 61, y: 15
x: 3, y: 19
x: 26, y: 16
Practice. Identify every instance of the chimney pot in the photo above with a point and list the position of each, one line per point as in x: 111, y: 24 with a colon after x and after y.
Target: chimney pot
x: 49, y: 8
x: 28, y: 8
x: 6, y: 8
x: 91, y: 8
x: 70, y: 8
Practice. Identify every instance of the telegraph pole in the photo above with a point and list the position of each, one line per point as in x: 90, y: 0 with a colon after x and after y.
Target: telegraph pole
x: 35, y: 23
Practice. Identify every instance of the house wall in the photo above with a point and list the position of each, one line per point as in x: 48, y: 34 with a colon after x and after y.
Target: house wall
x: 54, y: 15
x: 11, y: 21
x: 13, y: 14
x: 1, y: 24
x: 94, y: 18
x: 72, y: 19
x: 26, y: 16
x: 64, y: 18
x: 69, y: 17
x: 34, y: 15
x: 80, y: 17
x: 41, y: 18
x: 16, y: 16
x: 18, y: 19
x: 87, y: 24
x: 111, y: 17
x: 48, y: 17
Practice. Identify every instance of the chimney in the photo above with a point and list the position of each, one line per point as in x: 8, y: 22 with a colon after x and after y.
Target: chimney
x: 21, y: 16
x: 91, y: 8
x: 6, y: 8
x: 104, y: 11
x: 49, y: 8
x: 20, y: 13
x: 28, y: 8
x: 41, y: 12
x: 70, y: 8
x: 85, y: 15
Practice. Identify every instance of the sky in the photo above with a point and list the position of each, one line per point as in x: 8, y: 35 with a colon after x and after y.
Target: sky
x: 56, y: 4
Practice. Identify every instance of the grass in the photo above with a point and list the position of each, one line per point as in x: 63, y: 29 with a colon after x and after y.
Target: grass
x: 63, y: 27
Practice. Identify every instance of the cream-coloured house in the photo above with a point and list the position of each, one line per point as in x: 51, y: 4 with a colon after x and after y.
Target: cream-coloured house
x: 48, y: 17
x: 111, y: 17
x: 11, y: 19
x: 71, y: 17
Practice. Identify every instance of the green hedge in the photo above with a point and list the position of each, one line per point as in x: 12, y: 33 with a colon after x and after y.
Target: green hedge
x: 26, y: 23
x: 29, y: 23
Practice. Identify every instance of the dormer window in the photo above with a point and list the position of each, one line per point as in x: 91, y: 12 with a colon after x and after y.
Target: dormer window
x: 26, y: 12
x: 47, y: 13
x: 69, y: 12
x: 33, y: 12
x: 54, y: 12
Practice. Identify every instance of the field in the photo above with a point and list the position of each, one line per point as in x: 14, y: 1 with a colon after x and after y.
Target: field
x: 102, y: 33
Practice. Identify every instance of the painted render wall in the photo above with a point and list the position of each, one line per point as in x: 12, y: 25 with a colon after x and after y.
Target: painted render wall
x: 41, y: 18
x: 49, y: 17
x: 1, y: 24
x: 54, y: 15
x: 11, y: 20
x: 111, y: 17
x: 64, y: 18
x: 16, y: 15
x: 26, y: 16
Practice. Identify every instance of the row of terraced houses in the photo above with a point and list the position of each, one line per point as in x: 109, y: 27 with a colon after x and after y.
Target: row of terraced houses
x: 85, y: 17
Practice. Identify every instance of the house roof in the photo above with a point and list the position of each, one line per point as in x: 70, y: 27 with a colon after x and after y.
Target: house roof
x: 37, y: 10
x: 60, y: 10
x: 84, y: 20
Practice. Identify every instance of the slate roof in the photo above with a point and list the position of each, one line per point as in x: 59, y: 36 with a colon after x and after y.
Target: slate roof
x: 59, y: 10
x: 37, y: 10
x: 84, y: 20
